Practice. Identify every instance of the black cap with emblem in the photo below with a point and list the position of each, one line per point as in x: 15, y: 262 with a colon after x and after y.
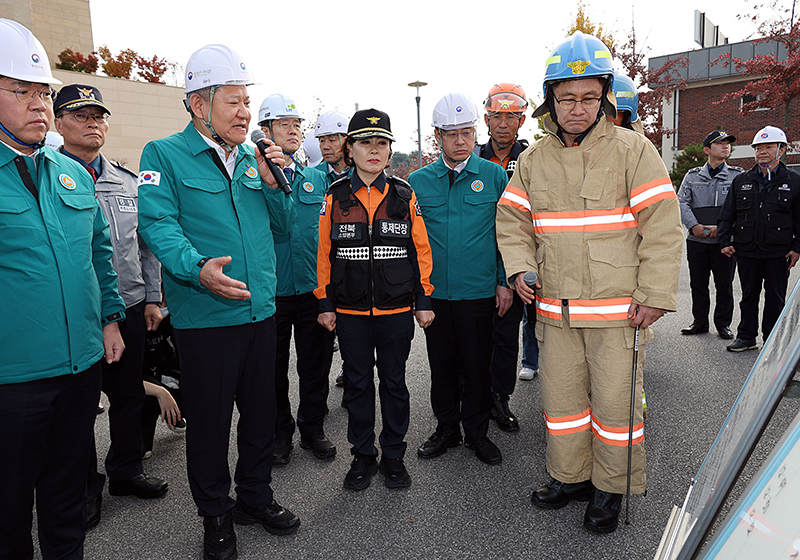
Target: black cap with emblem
x: 369, y: 123
x: 78, y: 96
x: 718, y: 136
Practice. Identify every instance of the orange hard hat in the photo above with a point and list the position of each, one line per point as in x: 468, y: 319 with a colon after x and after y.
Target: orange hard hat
x: 506, y: 98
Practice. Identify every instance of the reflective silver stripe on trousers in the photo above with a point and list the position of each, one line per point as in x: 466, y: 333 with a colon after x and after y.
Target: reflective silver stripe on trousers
x: 362, y: 253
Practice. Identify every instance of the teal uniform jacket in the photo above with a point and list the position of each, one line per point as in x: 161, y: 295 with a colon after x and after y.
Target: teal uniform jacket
x: 189, y: 210
x: 58, y: 281
x: 296, y: 252
x: 323, y: 167
x: 460, y: 222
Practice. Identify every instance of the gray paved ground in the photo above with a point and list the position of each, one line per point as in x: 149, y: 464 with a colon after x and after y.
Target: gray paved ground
x: 457, y: 507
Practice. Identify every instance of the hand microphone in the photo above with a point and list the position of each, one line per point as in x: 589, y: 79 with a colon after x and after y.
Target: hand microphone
x: 258, y: 138
x: 530, y: 278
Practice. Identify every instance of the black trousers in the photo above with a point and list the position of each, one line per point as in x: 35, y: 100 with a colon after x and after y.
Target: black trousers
x: 122, y: 384
x: 221, y: 366
x: 365, y: 341
x: 46, y: 435
x: 704, y: 260
x: 314, y: 347
x: 774, y: 276
x: 505, y: 347
x: 460, y: 340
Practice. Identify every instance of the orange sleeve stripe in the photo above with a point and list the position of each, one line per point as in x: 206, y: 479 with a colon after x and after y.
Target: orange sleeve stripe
x: 324, y: 250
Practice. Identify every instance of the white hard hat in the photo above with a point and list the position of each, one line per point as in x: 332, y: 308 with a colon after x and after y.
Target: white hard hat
x: 454, y: 111
x: 768, y: 135
x: 23, y: 57
x: 312, y: 150
x: 276, y: 107
x: 332, y: 122
x: 216, y: 65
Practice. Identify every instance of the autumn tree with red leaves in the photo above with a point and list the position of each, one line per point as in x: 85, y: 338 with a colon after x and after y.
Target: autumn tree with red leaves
x: 152, y: 70
x: 76, y: 62
x: 777, y: 82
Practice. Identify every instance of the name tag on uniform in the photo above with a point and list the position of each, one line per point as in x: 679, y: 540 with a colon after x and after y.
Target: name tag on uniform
x: 347, y: 231
x: 784, y: 188
x: 126, y: 204
x: 393, y: 228
x: 512, y: 165
x: 748, y: 187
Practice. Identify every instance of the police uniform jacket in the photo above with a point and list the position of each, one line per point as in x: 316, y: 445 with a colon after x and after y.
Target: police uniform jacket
x: 599, y: 222
x: 189, y: 209
x: 58, y: 281
x: 296, y: 252
x: 700, y: 190
x: 761, y: 217
x: 461, y: 226
x: 138, y: 270
x: 374, y: 257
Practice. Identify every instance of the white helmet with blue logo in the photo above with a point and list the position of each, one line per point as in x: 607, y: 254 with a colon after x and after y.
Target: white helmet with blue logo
x: 768, y: 135
x: 23, y: 57
x: 330, y: 123
x: 216, y: 65
x: 454, y: 111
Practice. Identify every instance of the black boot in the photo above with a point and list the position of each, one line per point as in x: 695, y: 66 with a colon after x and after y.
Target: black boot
x: 219, y: 541
x: 500, y: 412
x: 602, y: 513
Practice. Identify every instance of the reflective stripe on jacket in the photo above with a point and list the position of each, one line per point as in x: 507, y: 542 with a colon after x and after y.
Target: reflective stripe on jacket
x: 600, y: 224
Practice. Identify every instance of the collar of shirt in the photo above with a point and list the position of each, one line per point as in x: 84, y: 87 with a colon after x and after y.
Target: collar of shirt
x: 460, y: 167
x: 229, y: 161
x: 292, y: 166
x: 356, y: 182
x: 713, y: 171
x: 95, y: 164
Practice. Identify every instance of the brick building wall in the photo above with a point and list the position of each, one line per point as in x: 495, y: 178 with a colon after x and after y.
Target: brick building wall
x: 698, y: 114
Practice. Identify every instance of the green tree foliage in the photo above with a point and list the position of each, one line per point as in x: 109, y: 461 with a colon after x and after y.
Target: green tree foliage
x: 692, y: 156
x: 584, y: 24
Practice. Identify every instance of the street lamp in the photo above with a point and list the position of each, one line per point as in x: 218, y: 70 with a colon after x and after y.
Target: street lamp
x: 418, y: 85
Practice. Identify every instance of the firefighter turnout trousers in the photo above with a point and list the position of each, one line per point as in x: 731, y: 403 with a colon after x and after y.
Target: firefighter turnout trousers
x: 586, y: 392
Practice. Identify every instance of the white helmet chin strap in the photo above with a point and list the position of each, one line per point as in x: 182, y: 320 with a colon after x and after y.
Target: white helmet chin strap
x: 214, y: 136
x: 766, y: 166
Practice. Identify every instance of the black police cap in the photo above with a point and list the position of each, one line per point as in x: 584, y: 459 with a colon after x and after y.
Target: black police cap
x: 369, y: 123
x: 78, y: 96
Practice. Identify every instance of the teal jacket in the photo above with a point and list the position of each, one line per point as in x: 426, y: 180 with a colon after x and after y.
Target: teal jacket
x: 323, y: 167
x: 57, y: 278
x: 189, y: 210
x: 296, y: 252
x: 460, y: 223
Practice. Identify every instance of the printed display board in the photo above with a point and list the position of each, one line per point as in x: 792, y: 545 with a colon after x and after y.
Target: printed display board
x: 735, y: 441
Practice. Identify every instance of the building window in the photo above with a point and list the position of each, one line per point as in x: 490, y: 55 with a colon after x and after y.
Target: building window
x: 749, y: 99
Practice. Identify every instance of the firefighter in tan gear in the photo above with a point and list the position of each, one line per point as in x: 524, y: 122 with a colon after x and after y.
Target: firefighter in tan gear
x: 592, y: 210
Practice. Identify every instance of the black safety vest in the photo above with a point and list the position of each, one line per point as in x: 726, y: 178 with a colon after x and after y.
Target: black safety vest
x: 370, y: 264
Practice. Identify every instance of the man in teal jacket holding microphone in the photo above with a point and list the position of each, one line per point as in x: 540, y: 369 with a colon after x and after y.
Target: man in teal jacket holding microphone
x: 58, y: 317
x: 208, y: 209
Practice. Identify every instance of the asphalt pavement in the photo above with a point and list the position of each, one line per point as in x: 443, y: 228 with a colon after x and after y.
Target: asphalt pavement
x: 458, y: 507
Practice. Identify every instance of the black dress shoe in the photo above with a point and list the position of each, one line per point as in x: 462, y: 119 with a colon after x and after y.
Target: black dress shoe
x: 602, y: 513
x: 500, y: 413
x: 740, y: 345
x: 276, y: 519
x: 362, y: 469
x: 557, y: 494
x: 322, y: 447
x: 219, y: 540
x: 283, y: 448
x: 725, y: 333
x: 141, y: 486
x: 395, y: 473
x: 439, y: 442
x: 695, y: 329
x: 92, y: 510
x: 484, y: 449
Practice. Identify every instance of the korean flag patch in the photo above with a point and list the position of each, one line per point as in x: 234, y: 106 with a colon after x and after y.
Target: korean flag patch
x: 149, y: 178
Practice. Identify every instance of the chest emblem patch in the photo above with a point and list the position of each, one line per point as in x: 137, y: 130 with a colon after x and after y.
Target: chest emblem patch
x: 308, y: 187
x: 477, y: 186
x: 251, y: 172
x: 66, y: 181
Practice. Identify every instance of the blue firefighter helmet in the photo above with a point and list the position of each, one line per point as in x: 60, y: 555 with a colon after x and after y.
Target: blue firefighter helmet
x: 580, y: 56
x: 626, y: 94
